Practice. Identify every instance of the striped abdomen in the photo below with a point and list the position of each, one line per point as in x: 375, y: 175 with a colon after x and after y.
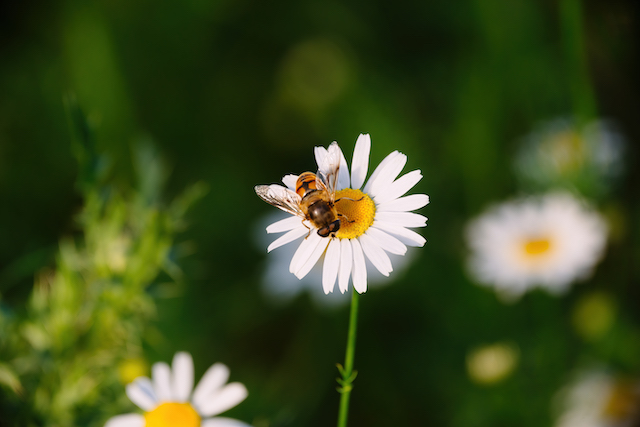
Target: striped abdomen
x: 306, y: 183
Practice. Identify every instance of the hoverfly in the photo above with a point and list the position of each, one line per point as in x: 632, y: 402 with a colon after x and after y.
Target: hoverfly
x: 314, y: 198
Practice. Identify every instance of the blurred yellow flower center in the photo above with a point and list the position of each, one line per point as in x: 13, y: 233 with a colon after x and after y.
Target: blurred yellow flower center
x: 356, y: 210
x: 567, y: 151
x: 492, y: 363
x: 172, y: 414
x: 537, y: 246
x: 132, y: 368
x: 622, y: 401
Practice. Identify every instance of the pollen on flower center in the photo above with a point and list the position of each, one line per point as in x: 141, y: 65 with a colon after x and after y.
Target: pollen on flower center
x: 357, y: 212
x: 171, y: 414
x: 535, y: 247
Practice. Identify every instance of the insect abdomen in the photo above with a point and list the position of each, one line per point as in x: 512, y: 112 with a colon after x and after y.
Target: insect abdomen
x: 306, y: 183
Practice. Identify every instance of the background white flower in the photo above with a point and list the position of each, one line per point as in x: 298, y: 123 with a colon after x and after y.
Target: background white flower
x: 548, y: 241
x: 167, y: 399
x: 598, y: 399
x: 563, y: 152
x: 379, y: 219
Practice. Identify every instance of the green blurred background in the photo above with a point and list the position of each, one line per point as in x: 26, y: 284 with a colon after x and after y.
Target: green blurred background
x: 237, y: 93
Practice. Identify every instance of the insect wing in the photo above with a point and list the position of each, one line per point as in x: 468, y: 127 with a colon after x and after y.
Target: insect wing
x: 280, y: 197
x: 328, y: 169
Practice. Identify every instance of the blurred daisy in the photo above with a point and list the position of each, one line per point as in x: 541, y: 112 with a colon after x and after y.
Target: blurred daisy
x: 169, y: 398
x: 597, y: 399
x: 561, y: 152
x: 372, y: 221
x: 548, y: 241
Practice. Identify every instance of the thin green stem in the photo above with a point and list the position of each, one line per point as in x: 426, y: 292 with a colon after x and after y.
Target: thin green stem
x: 347, y: 372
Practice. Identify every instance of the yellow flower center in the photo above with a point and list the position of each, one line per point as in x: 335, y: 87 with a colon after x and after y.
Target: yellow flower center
x: 535, y: 247
x: 171, y: 414
x: 356, y: 210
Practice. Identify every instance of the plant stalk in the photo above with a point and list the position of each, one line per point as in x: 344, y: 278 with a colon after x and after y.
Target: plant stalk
x: 347, y: 372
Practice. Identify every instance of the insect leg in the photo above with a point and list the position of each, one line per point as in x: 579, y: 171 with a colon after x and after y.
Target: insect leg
x: 309, y: 233
x: 348, y: 198
x: 347, y: 218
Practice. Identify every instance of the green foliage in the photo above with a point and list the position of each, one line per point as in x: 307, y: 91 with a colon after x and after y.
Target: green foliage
x: 90, y: 311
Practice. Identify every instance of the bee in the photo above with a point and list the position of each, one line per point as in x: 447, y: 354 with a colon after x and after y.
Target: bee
x: 314, y: 198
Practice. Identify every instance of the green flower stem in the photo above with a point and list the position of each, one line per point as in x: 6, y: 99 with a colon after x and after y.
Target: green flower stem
x: 571, y: 22
x: 347, y: 372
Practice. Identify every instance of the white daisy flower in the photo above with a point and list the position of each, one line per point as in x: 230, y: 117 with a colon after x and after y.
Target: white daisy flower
x: 598, y: 399
x: 169, y: 400
x: 373, y: 219
x: 548, y: 241
x: 558, y: 152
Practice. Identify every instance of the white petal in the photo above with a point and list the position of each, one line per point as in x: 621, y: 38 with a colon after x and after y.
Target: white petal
x: 161, y: 374
x: 385, y: 173
x: 359, y: 276
x: 360, y: 161
x: 383, y: 164
x: 212, y: 380
x: 406, y: 236
x: 141, y: 393
x: 290, y: 181
x: 330, y: 266
x: 313, y: 258
x: 290, y: 236
x: 399, y: 187
x: 376, y: 255
x: 304, y: 251
x: 126, y: 420
x: 223, y: 422
x: 404, y: 204
x: 346, y: 261
x: 387, y: 241
x: 226, y: 398
x: 320, y: 154
x: 343, y: 175
x: 286, y: 224
x: 182, y: 376
x: 403, y: 219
